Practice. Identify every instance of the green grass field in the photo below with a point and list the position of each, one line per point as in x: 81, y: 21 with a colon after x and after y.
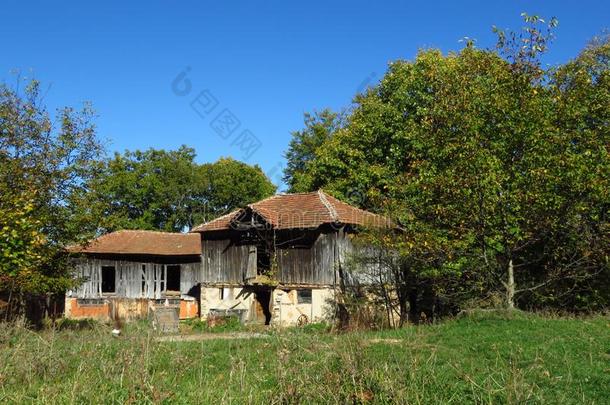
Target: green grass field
x: 484, y: 358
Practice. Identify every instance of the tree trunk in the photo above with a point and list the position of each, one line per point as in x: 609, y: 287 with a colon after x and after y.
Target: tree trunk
x: 402, y: 314
x: 387, y: 302
x: 510, y: 286
x: 413, y: 306
x: 427, y: 302
x: 403, y: 304
x: 388, y: 308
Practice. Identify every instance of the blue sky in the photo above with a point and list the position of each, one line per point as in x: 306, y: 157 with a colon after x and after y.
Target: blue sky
x: 257, y: 64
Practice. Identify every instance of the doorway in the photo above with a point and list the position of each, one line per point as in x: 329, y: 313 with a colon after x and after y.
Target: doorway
x: 261, y: 311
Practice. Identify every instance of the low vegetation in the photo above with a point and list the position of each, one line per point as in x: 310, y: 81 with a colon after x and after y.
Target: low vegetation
x: 213, y: 325
x: 508, y: 357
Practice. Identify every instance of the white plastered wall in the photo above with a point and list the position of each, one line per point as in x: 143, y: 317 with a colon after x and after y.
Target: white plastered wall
x: 284, y: 305
x: 286, y: 310
x: 234, y: 299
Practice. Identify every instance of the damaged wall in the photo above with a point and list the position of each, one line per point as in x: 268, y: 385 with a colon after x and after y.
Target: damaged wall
x: 312, y: 260
x: 224, y: 261
x: 108, y: 309
x: 288, y: 310
x: 132, y: 279
x: 136, y: 288
x: 307, y: 257
x: 226, y: 300
x: 284, y: 307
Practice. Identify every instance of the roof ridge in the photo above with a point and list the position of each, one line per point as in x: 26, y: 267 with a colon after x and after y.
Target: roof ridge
x: 263, y: 200
x: 144, y: 230
x: 193, y: 229
x: 224, y: 215
x: 331, y: 209
x: 300, y: 193
x: 355, y: 207
x: 298, y: 210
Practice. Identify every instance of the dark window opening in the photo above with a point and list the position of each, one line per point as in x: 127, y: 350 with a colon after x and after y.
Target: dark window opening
x: 108, y: 279
x: 173, y: 278
x: 303, y: 296
x: 144, y: 292
x: 263, y: 259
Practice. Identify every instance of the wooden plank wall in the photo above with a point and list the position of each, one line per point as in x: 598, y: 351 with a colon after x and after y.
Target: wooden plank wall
x: 359, y: 264
x: 90, y: 272
x: 304, y: 257
x: 133, y: 279
x: 224, y: 262
x: 190, y: 276
x: 313, y: 265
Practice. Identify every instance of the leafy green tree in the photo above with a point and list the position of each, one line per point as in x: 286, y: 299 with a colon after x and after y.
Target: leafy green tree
x: 319, y: 127
x: 21, y: 243
x: 580, y: 240
x: 230, y: 184
x: 146, y: 189
x: 168, y: 190
x: 496, y: 168
x: 44, y: 166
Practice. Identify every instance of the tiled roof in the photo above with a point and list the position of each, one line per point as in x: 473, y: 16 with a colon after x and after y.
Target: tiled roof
x: 301, y: 210
x: 143, y: 243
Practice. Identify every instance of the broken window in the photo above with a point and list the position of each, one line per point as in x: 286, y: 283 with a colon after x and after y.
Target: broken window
x: 303, y: 296
x: 144, y: 281
x: 173, y: 278
x: 108, y: 279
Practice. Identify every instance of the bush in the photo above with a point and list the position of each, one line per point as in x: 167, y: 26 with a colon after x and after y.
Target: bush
x: 215, y: 324
x: 314, y: 328
x: 76, y: 324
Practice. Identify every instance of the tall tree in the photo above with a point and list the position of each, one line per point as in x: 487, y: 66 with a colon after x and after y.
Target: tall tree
x: 168, y: 190
x: 146, y: 189
x: 44, y: 168
x: 496, y: 168
x: 230, y: 184
x: 580, y: 241
x: 319, y: 127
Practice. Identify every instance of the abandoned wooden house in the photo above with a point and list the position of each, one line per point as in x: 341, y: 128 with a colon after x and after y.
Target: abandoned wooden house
x: 281, y: 260
x: 127, y: 273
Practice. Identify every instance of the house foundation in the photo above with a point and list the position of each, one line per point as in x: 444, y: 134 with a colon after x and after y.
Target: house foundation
x: 278, y: 306
x: 109, y: 309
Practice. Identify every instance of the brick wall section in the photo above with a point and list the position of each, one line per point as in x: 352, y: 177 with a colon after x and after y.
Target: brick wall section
x: 126, y: 309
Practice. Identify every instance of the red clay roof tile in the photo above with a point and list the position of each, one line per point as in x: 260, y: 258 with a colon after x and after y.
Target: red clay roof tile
x: 143, y: 243
x: 301, y: 210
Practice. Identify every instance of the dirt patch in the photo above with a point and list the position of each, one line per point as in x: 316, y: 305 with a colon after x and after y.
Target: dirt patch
x: 210, y: 336
x: 386, y: 341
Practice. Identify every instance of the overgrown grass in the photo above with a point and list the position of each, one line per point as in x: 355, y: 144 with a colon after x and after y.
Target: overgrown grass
x: 226, y: 324
x: 481, y: 358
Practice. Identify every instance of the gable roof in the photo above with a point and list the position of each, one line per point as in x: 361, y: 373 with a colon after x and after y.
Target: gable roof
x: 300, y: 210
x: 142, y: 243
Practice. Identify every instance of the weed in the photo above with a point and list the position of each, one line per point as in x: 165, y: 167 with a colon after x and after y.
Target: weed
x: 480, y: 358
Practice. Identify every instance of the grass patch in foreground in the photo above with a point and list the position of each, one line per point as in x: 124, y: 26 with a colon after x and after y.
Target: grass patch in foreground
x: 478, y: 358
